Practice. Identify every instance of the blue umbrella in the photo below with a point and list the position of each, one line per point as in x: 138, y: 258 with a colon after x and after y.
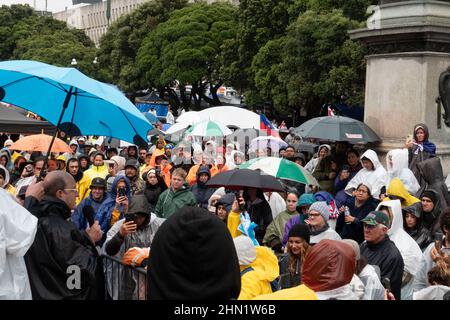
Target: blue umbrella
x: 75, y: 103
x: 151, y: 117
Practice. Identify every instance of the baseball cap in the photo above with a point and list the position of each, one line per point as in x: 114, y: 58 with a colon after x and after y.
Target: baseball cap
x: 98, y: 182
x: 132, y: 163
x: 376, y: 217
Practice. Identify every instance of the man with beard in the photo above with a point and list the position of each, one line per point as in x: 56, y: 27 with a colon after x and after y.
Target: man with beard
x: 132, y: 152
x: 132, y: 173
x: 81, y: 180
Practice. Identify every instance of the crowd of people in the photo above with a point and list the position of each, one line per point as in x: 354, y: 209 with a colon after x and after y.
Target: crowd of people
x: 367, y: 231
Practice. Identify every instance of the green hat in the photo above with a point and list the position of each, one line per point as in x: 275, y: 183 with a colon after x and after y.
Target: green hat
x: 376, y: 217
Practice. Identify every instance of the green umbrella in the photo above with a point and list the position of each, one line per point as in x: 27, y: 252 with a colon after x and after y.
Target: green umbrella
x: 208, y: 129
x: 282, y: 169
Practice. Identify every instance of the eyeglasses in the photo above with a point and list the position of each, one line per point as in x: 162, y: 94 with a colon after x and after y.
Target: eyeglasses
x: 74, y: 190
x: 311, y: 215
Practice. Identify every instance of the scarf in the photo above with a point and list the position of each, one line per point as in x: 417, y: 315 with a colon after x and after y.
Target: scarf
x: 318, y: 231
x: 426, y: 146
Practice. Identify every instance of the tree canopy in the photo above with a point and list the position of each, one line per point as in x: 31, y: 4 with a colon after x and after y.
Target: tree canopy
x: 28, y: 36
x: 119, y: 46
x: 186, y: 48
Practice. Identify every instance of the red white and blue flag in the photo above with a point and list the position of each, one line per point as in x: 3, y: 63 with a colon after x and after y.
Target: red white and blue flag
x: 265, y: 124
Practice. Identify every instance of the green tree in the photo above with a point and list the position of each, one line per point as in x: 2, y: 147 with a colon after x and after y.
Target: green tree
x: 186, y: 48
x: 26, y: 35
x: 318, y: 64
x: 119, y: 46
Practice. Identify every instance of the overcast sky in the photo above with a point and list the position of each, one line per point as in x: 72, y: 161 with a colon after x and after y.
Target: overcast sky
x: 52, y: 5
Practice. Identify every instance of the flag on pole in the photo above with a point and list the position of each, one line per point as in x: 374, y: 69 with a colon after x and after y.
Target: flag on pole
x: 265, y: 124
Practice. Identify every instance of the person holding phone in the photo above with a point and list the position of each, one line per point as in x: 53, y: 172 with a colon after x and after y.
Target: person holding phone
x: 116, y: 205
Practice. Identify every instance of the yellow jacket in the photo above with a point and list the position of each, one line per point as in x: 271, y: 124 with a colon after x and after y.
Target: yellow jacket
x: 233, y: 221
x: 94, y: 172
x: 11, y: 189
x: 265, y: 270
x: 83, y: 188
x: 300, y: 292
x: 396, y: 188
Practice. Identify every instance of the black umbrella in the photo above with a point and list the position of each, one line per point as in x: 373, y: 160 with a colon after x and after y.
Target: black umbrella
x: 337, y: 128
x: 239, y: 178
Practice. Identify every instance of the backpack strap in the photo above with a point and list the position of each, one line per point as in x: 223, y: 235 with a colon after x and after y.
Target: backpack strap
x: 246, y: 270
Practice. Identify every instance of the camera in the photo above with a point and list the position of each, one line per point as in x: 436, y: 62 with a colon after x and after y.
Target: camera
x: 158, y: 171
x: 130, y: 217
x: 121, y: 192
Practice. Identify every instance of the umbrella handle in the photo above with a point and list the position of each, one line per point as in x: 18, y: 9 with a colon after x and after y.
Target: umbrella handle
x: 66, y: 103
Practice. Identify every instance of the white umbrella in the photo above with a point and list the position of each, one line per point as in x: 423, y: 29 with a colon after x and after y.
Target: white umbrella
x: 230, y: 116
x: 274, y: 143
x: 189, y: 117
x: 208, y: 129
x: 176, y: 127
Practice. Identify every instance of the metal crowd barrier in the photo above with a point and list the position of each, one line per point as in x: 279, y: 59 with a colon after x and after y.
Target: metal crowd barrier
x: 123, y: 282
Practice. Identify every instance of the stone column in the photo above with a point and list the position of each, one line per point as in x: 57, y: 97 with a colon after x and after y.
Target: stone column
x: 408, y: 46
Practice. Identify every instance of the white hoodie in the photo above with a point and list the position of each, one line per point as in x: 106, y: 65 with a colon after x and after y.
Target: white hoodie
x: 398, y: 168
x: 375, y: 179
x: 408, y: 247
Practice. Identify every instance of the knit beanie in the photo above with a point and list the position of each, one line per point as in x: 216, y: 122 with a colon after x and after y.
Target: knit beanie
x: 245, y: 250
x: 429, y: 194
x: 322, y: 208
x: 306, y: 199
x: 301, y: 231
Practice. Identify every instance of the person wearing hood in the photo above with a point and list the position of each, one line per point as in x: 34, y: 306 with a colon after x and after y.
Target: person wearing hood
x: 236, y: 159
x: 15, y: 174
x: 154, y: 186
x: 201, y: 192
x: 223, y: 206
x: 16, y: 237
x: 372, y: 174
x: 98, y: 168
x: 412, y: 223
x: 132, y: 173
x: 116, y: 167
x: 133, y: 152
x: 324, y: 151
x: 115, y: 206
x: 258, y: 266
x: 275, y: 231
x: 396, y: 190
x: 303, y: 204
x: 326, y: 274
x: 409, y: 249
x: 6, y: 160
x: 123, y: 241
x: 59, y: 246
x: 291, y: 262
x: 350, y: 226
x: 318, y: 216
x: 381, y: 251
x: 397, y: 167
x: 193, y: 257
x: 290, y: 136
x: 433, y: 252
x: 4, y: 181
x: 73, y: 144
x: 209, y: 153
x: 82, y: 181
x: 419, y: 149
x: 84, y: 162
x: 176, y: 196
x: 433, y: 178
x: 431, y: 210
x: 229, y: 155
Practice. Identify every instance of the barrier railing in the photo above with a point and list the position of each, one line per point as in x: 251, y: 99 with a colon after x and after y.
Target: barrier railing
x: 123, y: 282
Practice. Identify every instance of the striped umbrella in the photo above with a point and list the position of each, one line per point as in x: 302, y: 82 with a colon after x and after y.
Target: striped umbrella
x: 282, y: 169
x: 208, y: 128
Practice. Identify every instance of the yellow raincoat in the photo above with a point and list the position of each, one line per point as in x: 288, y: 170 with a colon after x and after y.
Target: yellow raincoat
x: 300, y: 292
x: 265, y: 270
x: 397, y: 188
x: 94, y: 172
x: 233, y: 221
x: 83, y: 188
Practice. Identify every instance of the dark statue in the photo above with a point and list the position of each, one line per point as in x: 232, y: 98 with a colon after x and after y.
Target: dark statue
x: 444, y: 95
